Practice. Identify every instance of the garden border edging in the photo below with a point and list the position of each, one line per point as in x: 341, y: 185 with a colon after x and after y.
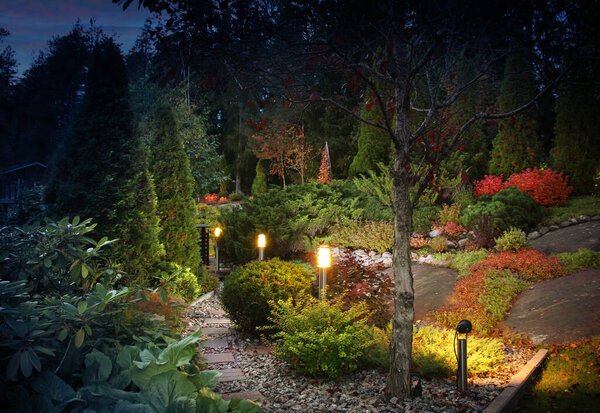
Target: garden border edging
x: 507, y: 400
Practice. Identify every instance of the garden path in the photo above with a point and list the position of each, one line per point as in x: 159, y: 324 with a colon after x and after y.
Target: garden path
x: 559, y: 311
x: 433, y: 286
x: 570, y: 239
x: 565, y: 309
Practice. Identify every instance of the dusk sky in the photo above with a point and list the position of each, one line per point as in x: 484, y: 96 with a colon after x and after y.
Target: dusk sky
x: 32, y: 23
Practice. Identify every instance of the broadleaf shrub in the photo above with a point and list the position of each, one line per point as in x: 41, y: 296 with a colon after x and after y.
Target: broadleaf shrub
x: 509, y: 207
x: 321, y: 338
x: 355, y: 282
x: 249, y: 289
x: 512, y: 239
x: 547, y: 187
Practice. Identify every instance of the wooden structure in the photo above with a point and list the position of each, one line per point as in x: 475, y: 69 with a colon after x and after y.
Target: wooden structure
x: 15, y: 180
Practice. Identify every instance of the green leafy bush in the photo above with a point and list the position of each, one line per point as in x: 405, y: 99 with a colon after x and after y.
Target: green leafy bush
x: 180, y: 281
x: 372, y: 235
x: 509, y: 208
x: 291, y: 219
x: 511, y: 240
x: 579, y: 261
x: 320, y: 338
x: 249, y: 289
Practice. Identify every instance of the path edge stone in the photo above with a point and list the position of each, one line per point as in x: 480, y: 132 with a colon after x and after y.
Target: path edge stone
x: 507, y: 400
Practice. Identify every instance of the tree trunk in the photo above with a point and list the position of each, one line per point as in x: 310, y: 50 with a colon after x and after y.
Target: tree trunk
x: 398, y: 382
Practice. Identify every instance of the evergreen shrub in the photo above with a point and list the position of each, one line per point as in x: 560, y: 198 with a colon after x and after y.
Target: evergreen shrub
x: 422, y: 218
x: 509, y: 207
x: 249, y: 290
x: 512, y: 239
x: 292, y: 219
x: 439, y: 244
x: 371, y: 235
x: 321, y: 338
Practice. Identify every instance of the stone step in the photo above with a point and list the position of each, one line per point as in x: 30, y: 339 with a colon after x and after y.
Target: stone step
x: 217, y: 320
x: 245, y: 395
x: 231, y: 375
x: 216, y: 331
x: 256, y: 350
x: 219, y: 358
x: 216, y: 343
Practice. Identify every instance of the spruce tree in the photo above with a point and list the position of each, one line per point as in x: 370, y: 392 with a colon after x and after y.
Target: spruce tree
x: 259, y: 185
x: 374, y: 144
x: 103, y: 170
x: 516, y: 145
x: 174, y: 190
x: 576, y: 135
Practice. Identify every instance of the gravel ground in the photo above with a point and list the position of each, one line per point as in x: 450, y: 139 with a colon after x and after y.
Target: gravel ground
x: 286, y: 391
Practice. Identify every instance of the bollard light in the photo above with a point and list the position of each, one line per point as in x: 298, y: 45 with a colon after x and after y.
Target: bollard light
x: 323, y: 262
x: 262, y: 243
x: 462, y: 329
x: 218, y: 232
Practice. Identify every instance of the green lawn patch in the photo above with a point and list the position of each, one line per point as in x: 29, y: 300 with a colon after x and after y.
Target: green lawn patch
x: 583, y: 205
x: 570, y: 380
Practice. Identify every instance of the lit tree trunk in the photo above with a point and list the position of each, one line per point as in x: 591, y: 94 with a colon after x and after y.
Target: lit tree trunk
x: 398, y: 382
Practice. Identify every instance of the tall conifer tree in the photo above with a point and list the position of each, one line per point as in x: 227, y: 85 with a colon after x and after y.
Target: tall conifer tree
x: 103, y: 172
x: 516, y: 146
x: 174, y: 190
x: 374, y: 145
x: 576, y: 151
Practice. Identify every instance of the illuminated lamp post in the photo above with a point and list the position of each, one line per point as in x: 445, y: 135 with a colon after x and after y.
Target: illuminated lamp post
x: 262, y: 243
x: 323, y: 262
x: 218, y: 232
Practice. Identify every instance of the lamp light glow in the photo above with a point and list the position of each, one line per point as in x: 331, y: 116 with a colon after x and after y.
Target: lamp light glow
x: 262, y: 241
x: 323, y: 257
x: 218, y: 232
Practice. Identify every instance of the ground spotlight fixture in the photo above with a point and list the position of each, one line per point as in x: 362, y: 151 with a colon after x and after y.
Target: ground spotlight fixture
x: 463, y: 328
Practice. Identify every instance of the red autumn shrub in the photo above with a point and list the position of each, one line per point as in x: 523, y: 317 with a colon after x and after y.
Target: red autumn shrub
x: 356, y: 282
x: 451, y: 229
x: 529, y: 264
x: 489, y: 185
x: 223, y: 200
x: 210, y: 198
x: 547, y: 187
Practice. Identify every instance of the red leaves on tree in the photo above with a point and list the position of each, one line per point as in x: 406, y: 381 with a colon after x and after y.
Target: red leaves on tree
x: 324, y: 176
x: 314, y: 95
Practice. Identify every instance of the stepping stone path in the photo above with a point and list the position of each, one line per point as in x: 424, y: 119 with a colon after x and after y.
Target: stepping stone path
x: 220, y: 348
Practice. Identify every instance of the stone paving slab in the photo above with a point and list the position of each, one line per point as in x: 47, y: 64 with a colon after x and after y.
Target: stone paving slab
x: 259, y: 350
x: 559, y: 311
x: 231, y: 375
x: 217, y: 320
x: 245, y: 395
x: 214, y: 358
x: 217, y: 331
x: 570, y: 239
x: 216, y: 343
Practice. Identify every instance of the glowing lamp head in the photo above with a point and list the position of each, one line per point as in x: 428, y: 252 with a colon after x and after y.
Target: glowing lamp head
x: 262, y: 241
x: 218, y: 232
x: 323, y: 257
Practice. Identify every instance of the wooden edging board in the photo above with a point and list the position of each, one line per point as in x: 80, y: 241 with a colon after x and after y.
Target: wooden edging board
x: 507, y: 400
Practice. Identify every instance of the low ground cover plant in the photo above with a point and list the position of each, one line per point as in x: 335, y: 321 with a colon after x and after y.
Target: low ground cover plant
x: 569, y: 381
x: 527, y: 264
x: 579, y: 261
x: 433, y: 352
x: 249, y: 290
x: 462, y: 261
x: 583, y: 205
x: 321, y: 338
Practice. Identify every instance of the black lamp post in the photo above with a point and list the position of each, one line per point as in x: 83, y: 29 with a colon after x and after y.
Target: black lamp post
x: 462, y: 329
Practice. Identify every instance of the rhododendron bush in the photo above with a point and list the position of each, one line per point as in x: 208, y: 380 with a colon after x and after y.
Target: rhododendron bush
x: 546, y: 186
